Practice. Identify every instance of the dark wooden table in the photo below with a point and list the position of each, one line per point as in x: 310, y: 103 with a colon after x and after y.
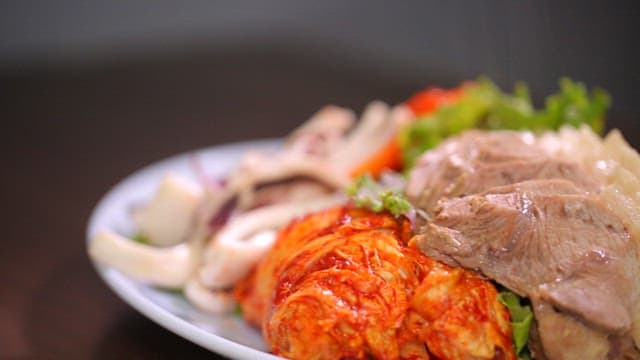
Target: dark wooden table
x: 70, y: 132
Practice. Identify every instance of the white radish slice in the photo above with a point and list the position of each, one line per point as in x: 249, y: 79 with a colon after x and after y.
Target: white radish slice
x: 211, y: 301
x: 227, y: 261
x: 167, y: 267
x: 167, y: 219
x: 246, y: 239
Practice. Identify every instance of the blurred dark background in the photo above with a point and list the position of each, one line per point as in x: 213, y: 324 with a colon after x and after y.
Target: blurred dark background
x: 93, y: 90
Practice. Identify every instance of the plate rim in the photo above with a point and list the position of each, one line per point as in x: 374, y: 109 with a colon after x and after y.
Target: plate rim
x: 135, y: 298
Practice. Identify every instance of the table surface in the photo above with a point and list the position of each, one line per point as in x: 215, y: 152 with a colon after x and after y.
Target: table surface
x: 72, y: 132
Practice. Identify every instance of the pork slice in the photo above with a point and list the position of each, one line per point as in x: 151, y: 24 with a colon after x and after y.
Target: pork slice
x: 477, y: 162
x: 438, y: 171
x: 532, y: 242
x: 566, y: 338
x: 586, y: 293
x: 442, y: 238
x: 487, y: 176
x: 565, y: 248
x: 539, y: 186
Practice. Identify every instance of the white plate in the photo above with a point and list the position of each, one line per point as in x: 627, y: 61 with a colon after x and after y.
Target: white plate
x: 228, y: 335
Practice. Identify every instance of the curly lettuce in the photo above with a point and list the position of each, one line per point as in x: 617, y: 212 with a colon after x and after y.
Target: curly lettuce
x: 377, y: 197
x: 521, y: 318
x: 483, y: 105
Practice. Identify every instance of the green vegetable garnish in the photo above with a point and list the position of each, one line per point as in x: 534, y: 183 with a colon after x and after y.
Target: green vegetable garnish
x: 237, y: 310
x: 483, y: 105
x: 139, y: 238
x: 173, y: 291
x: 367, y: 193
x: 574, y: 106
x: 521, y: 317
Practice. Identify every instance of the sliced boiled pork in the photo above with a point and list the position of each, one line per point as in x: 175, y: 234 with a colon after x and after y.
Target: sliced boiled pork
x: 538, y: 225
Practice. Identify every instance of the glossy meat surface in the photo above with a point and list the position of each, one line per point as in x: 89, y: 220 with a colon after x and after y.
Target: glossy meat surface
x: 344, y: 284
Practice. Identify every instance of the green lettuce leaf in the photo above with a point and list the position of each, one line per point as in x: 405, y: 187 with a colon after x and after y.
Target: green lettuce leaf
x: 483, y: 105
x: 139, y: 238
x: 521, y: 317
x: 367, y: 193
